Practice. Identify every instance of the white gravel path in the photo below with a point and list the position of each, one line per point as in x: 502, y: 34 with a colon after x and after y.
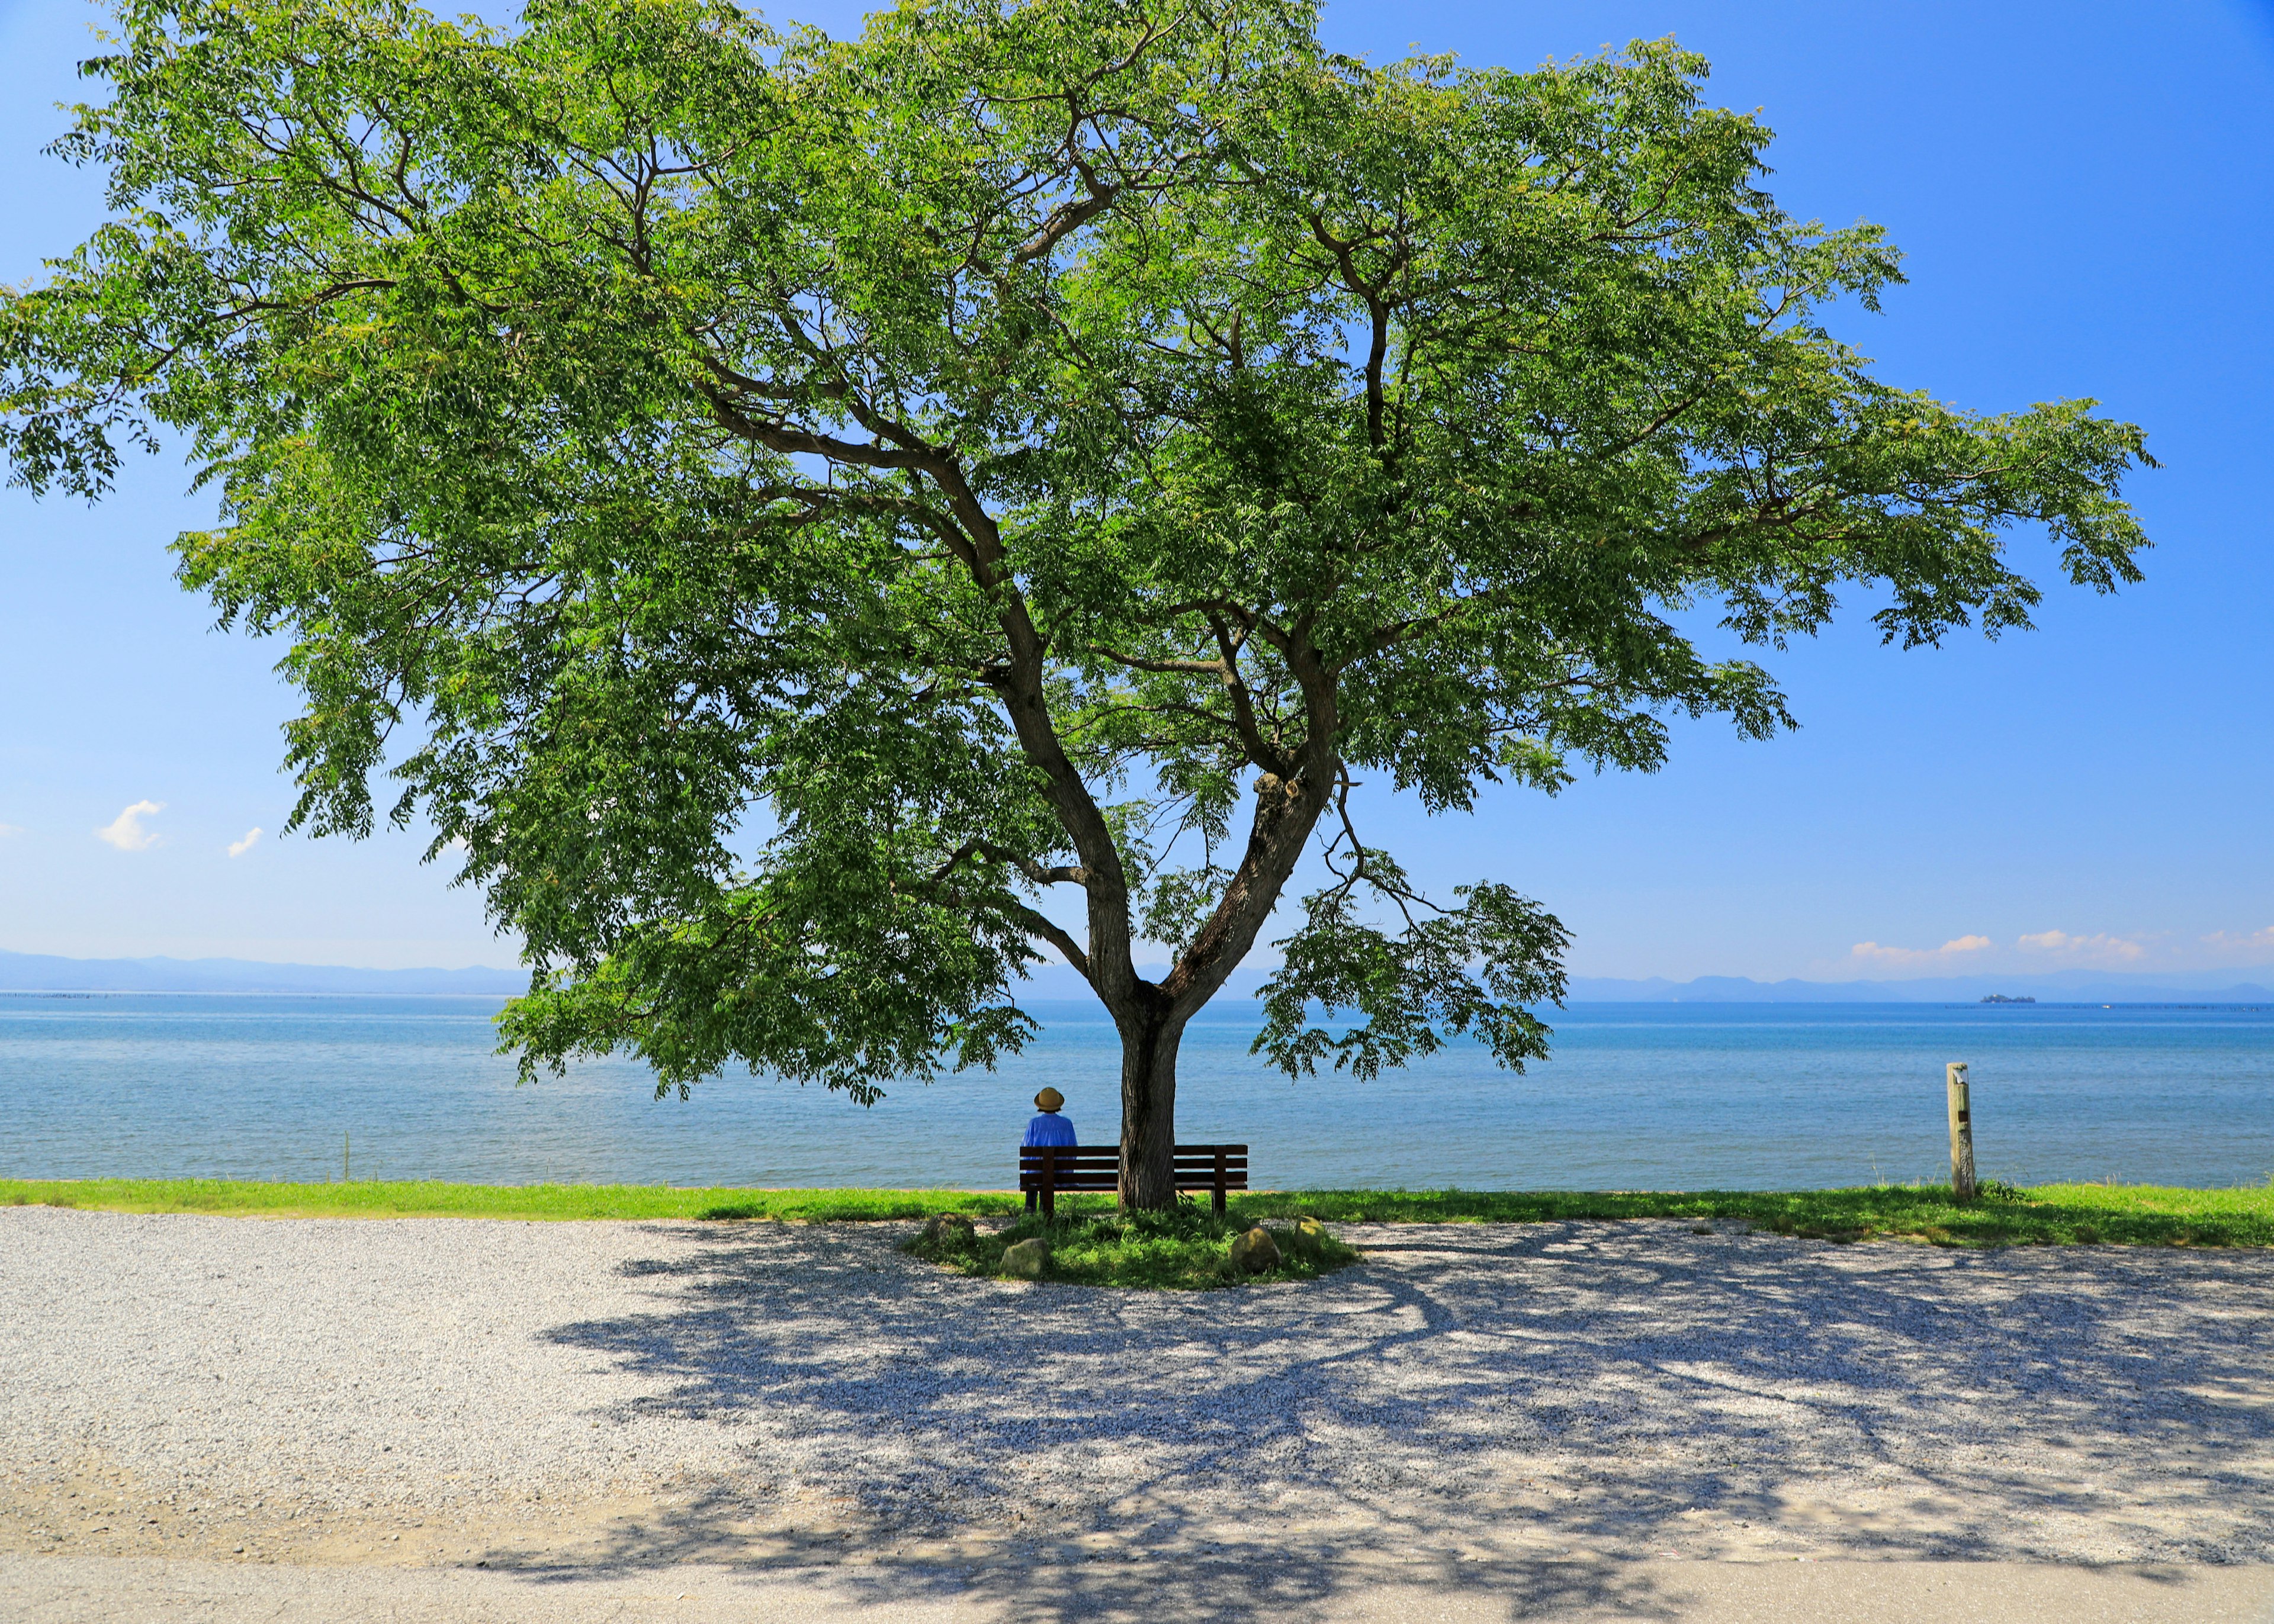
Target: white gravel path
x: 52, y: 1590
x: 1476, y: 1391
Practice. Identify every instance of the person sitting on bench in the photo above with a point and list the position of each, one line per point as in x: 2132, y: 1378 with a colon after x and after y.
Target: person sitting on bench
x: 1049, y: 1128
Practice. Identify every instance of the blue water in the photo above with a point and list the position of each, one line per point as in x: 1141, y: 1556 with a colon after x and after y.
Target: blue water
x: 1638, y: 1096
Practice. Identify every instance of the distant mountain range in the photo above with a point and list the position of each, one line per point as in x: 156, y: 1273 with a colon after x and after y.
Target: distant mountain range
x: 45, y: 973
x: 1058, y: 982
x: 2062, y: 986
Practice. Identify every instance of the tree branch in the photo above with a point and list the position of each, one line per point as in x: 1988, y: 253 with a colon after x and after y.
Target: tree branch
x: 1036, y: 924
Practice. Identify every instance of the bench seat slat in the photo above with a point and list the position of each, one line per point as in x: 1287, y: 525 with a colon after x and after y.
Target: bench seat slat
x: 1064, y: 1177
x: 1195, y: 1169
x: 1089, y: 1181
x: 1107, y: 1181
x: 1186, y: 1185
x: 1115, y: 1150
x: 1113, y: 1160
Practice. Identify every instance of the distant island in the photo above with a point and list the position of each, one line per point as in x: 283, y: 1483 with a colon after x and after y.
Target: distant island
x: 1999, y: 997
x: 2224, y: 986
x: 48, y: 973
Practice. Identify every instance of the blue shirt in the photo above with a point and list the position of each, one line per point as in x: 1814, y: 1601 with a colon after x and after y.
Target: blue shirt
x: 1049, y: 1128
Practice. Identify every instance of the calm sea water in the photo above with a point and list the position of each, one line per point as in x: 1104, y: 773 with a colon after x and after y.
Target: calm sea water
x: 1638, y: 1096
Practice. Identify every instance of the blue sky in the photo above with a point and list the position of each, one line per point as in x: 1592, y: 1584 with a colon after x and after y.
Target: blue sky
x: 2082, y: 192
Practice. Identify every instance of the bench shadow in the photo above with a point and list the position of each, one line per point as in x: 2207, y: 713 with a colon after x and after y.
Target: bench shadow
x: 1484, y: 1411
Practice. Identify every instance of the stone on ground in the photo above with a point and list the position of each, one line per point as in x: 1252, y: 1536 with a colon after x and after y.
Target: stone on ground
x: 952, y: 1231
x: 1026, y: 1259
x: 1255, y: 1251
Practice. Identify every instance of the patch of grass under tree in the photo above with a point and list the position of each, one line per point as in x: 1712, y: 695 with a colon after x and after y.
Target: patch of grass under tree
x: 1189, y: 1248
x: 2048, y: 1214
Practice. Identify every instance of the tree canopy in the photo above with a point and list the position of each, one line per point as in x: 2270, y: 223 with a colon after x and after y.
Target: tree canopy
x: 803, y: 504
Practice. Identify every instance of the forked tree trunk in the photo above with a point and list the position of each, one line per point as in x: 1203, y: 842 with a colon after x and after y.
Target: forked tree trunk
x: 1148, y: 1109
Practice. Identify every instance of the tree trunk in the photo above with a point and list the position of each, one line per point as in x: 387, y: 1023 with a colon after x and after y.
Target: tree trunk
x: 1148, y: 1109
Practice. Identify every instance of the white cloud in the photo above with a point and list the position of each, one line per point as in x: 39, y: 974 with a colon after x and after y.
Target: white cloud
x: 239, y: 848
x: 8, y: 830
x: 2257, y: 944
x: 126, y: 832
x: 2101, y: 949
x: 1913, y: 958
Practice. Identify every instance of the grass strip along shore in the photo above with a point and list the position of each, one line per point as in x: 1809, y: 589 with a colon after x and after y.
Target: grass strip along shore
x: 2047, y: 1215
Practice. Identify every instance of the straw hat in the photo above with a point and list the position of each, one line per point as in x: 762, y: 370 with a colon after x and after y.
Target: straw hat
x: 1049, y: 1098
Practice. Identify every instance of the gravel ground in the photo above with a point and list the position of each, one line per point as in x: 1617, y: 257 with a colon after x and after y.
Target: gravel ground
x: 435, y: 1390
x: 52, y: 1590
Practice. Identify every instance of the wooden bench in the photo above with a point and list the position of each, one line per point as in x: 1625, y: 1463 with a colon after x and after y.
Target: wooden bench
x: 1046, y: 1169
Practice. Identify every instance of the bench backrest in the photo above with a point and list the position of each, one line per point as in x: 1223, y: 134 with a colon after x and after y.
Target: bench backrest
x: 1052, y: 1167
x: 1072, y: 1165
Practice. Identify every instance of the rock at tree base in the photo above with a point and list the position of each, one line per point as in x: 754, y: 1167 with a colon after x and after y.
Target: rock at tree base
x: 1255, y: 1251
x: 1308, y: 1240
x: 1026, y: 1259
x: 951, y: 1231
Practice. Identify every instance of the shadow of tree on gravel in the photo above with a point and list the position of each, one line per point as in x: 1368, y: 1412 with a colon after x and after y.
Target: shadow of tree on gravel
x: 1486, y: 1410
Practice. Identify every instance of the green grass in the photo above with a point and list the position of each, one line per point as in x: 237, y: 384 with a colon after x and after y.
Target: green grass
x: 2051, y: 1215
x: 1189, y: 1248
x: 432, y: 1199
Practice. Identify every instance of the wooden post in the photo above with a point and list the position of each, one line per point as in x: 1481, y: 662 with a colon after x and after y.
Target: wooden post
x: 1217, y: 1205
x: 1961, y: 1131
x: 1050, y: 1182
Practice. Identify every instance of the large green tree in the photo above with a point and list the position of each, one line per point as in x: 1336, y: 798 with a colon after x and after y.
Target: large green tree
x: 792, y: 508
